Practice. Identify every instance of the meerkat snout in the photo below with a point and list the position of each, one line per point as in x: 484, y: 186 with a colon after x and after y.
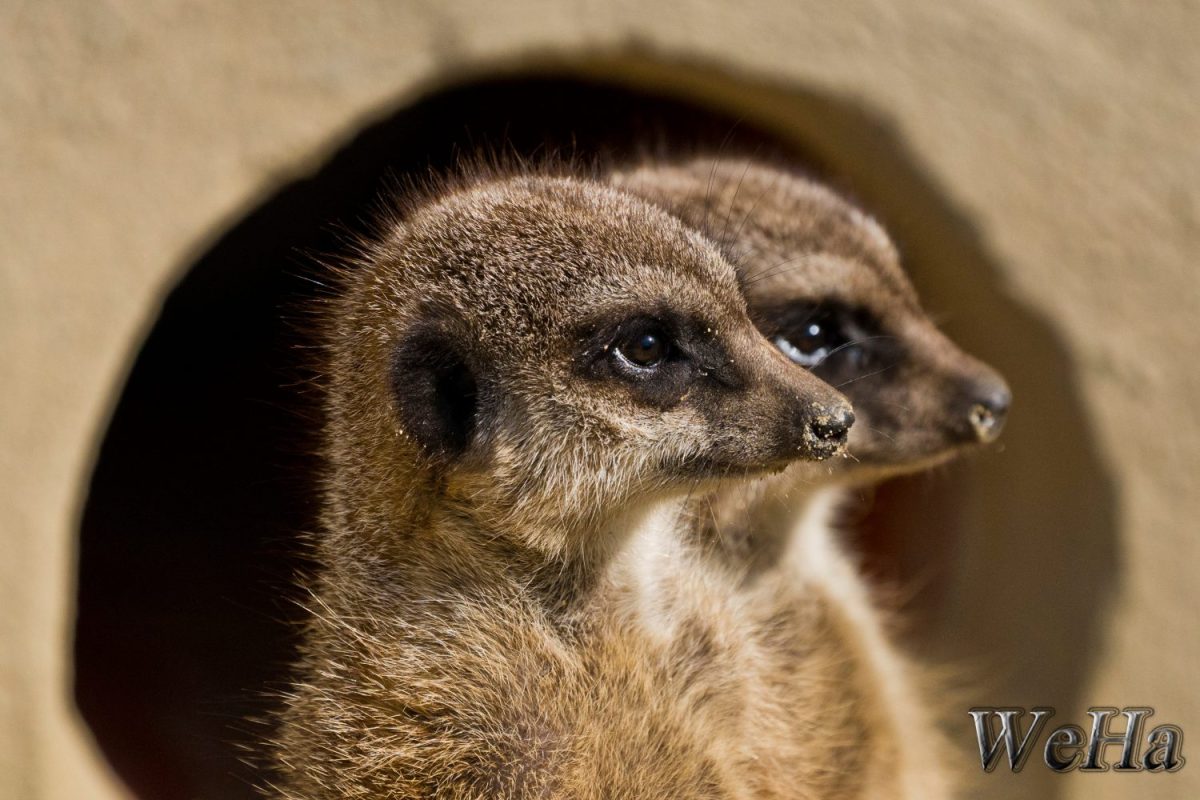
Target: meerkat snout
x: 815, y: 431
x: 987, y: 401
x: 772, y: 414
x: 830, y: 432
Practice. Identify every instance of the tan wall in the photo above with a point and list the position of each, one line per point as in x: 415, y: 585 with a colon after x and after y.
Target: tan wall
x: 1065, y: 134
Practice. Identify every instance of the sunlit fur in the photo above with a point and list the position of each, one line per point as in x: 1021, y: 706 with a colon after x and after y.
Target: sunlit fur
x: 521, y: 618
x: 794, y: 240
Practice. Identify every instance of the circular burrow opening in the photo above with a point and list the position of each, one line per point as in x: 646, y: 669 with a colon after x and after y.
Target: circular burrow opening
x: 192, y: 532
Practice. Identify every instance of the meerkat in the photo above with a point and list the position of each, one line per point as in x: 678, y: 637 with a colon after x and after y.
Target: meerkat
x: 824, y: 283
x: 526, y: 377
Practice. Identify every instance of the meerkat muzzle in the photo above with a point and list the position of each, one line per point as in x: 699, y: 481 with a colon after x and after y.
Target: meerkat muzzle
x: 826, y: 434
x: 988, y: 414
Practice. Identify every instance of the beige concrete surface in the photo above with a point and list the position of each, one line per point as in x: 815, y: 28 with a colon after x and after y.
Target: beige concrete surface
x: 1064, y: 135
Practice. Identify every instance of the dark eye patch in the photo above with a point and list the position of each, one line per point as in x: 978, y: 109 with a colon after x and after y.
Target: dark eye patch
x: 656, y: 356
x: 832, y: 339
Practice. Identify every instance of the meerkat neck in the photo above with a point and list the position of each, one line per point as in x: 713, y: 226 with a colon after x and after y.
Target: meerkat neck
x: 750, y: 527
x: 568, y: 582
x: 450, y: 554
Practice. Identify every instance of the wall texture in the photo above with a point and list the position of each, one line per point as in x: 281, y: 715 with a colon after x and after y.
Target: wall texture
x: 1063, y: 135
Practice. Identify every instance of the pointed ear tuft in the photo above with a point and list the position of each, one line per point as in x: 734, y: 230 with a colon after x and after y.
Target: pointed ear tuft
x: 436, y: 393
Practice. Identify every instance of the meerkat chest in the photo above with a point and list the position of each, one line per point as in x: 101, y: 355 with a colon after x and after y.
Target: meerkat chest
x: 845, y: 694
x: 754, y: 693
x: 667, y: 671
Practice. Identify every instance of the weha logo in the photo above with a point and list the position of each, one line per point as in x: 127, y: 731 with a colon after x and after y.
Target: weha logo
x: 1067, y: 749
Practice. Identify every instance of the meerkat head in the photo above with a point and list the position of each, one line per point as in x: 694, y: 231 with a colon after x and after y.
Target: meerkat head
x: 824, y: 284
x: 537, y: 353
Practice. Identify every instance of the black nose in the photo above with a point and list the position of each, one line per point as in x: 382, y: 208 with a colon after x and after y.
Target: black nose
x: 987, y: 411
x: 828, y: 431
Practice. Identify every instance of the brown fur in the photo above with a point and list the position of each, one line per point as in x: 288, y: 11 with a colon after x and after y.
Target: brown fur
x: 798, y: 245
x: 509, y: 611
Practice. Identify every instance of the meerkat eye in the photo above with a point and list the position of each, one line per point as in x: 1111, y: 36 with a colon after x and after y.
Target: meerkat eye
x: 644, y: 347
x: 645, y: 350
x: 813, y: 340
x: 653, y: 358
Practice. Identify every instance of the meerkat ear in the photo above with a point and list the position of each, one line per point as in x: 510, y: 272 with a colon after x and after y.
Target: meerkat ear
x: 436, y: 393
